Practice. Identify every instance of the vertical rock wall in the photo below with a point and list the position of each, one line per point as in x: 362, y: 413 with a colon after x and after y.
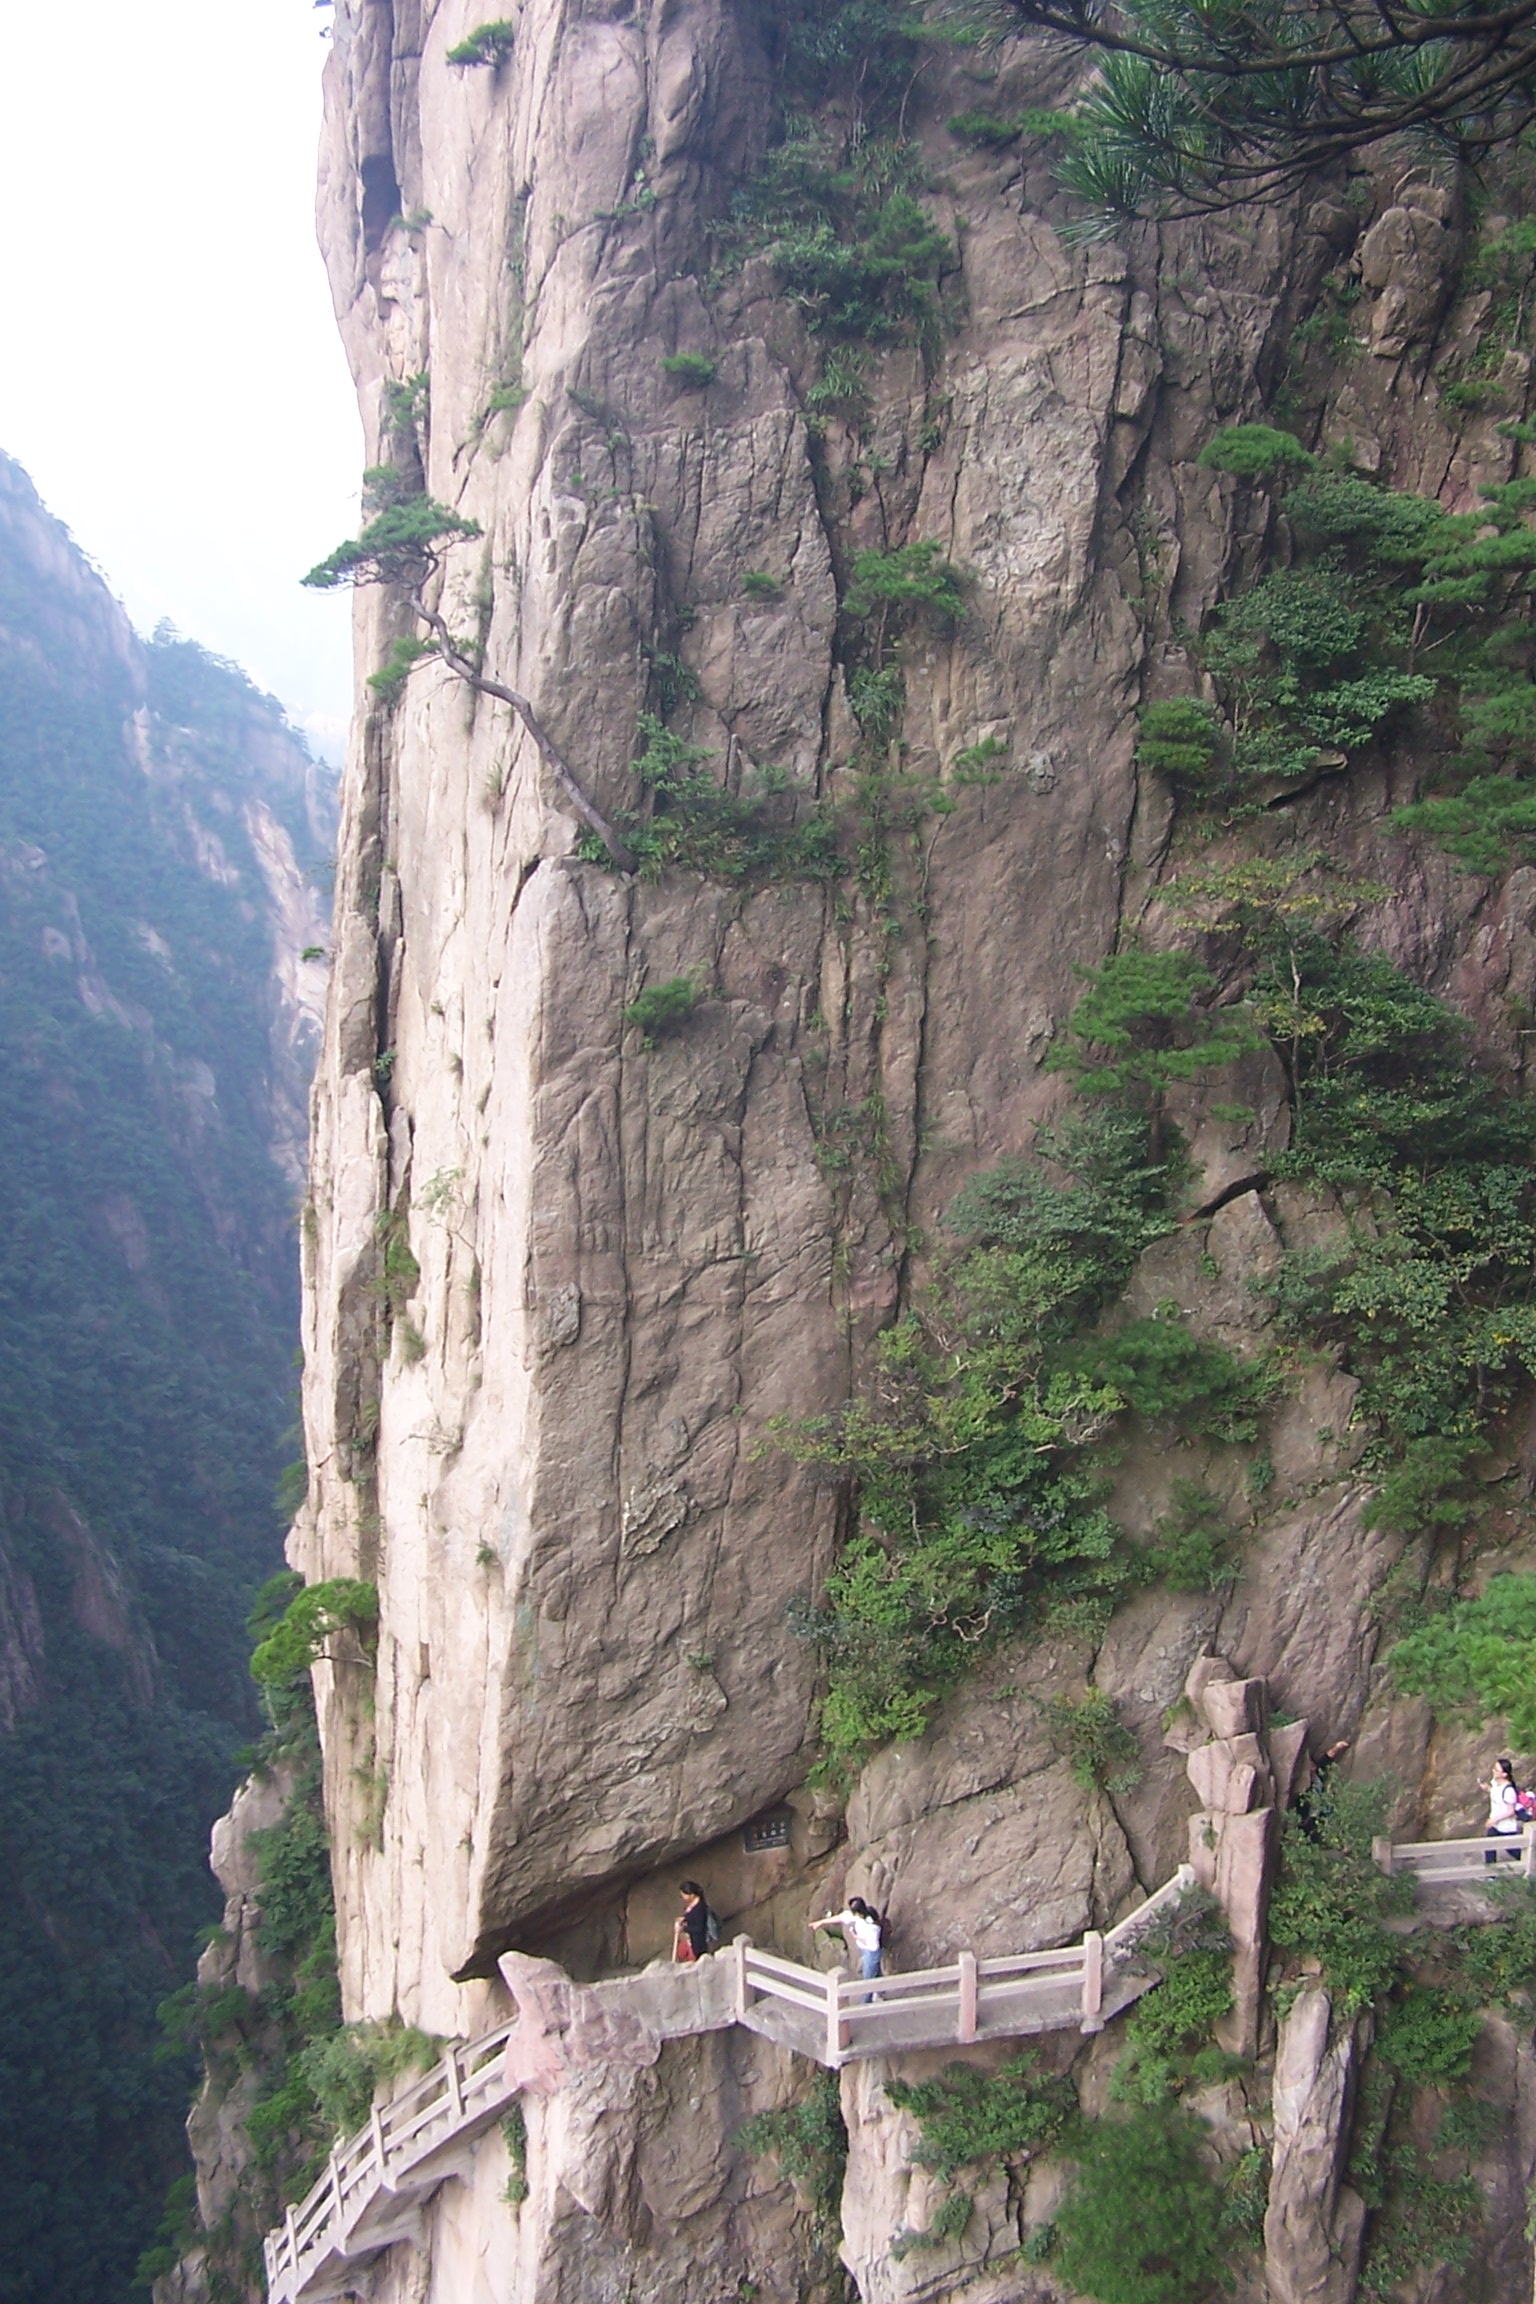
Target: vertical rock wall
x: 540, y: 1429
x: 630, y: 1260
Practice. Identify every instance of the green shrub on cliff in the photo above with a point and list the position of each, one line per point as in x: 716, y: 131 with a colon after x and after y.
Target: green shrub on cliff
x: 663, y: 1008
x: 315, y: 2077
x: 1142, y: 2222
x: 343, y: 2071
x: 913, y: 576
x: 1141, y: 1026
x: 1087, y: 1730
x: 1420, y: 2220
x: 692, y: 368
x: 690, y: 823
x: 809, y: 2140
x: 1382, y: 1077
x: 975, y: 1449
x: 836, y: 208
x: 860, y: 52
x: 1330, y: 1900
x: 1497, y: 1965
x: 400, y: 545
x: 872, y: 275
x: 1279, y: 653
x: 1088, y: 1231
x: 1254, y: 452
x: 1168, y: 2033
x: 1429, y: 2036
x: 1170, y: 1376
x: 1427, y: 1291
x: 1193, y: 1547
x: 966, y: 2115
x: 986, y: 131
x: 1477, y: 1661
x: 488, y: 44
x: 389, y: 682
x: 339, y: 1611
x: 1387, y: 604
x: 1182, y: 739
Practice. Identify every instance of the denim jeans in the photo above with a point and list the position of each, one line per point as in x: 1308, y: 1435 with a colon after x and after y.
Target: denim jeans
x: 869, y: 1965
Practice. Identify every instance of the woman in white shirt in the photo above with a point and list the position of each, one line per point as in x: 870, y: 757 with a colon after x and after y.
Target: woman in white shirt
x: 1503, y: 1806
x: 863, y: 1931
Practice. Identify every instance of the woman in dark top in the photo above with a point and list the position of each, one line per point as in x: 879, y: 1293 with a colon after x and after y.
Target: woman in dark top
x: 691, y: 1932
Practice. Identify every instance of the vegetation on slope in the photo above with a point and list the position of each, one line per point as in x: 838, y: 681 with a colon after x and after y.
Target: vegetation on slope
x: 149, y: 1310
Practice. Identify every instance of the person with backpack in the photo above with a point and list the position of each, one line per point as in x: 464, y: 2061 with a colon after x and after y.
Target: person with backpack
x: 696, y: 1929
x: 1509, y: 1809
x: 864, y: 1933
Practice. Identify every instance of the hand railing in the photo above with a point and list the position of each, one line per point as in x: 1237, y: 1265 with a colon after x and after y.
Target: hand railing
x: 1125, y: 1938
x: 1477, y: 1862
x: 397, y: 2137
x: 849, y: 2015
x: 955, y: 2002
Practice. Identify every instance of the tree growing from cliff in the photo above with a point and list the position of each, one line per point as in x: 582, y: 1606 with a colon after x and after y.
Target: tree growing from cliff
x: 1477, y: 1662
x: 489, y: 44
x: 1195, y: 108
x: 296, y: 1625
x: 1140, y: 1028
x: 981, y: 1504
x: 1142, y: 2222
x: 404, y: 546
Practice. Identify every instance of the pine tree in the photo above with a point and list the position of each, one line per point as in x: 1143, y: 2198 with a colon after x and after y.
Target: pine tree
x: 1139, y: 1028
x: 1195, y: 107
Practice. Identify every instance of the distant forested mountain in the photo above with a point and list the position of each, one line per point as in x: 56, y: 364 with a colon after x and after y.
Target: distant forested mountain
x: 163, y: 839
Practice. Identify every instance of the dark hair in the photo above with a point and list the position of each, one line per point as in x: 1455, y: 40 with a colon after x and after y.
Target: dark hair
x: 690, y: 1888
x: 1508, y: 1767
x: 857, y: 1904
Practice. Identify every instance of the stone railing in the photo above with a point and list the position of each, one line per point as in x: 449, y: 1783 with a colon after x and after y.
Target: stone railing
x: 375, y: 2183
x: 1475, y: 1863
x: 834, y: 2017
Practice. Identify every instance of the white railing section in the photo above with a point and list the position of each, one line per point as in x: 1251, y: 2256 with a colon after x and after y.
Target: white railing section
x: 374, y: 2182
x: 463, y: 2092
x: 1450, y: 1863
x: 968, y: 2000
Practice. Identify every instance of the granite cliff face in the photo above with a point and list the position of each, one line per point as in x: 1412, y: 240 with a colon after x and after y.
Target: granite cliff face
x: 542, y: 1428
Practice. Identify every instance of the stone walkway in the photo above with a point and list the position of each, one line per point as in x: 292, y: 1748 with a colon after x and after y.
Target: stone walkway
x: 376, y: 2183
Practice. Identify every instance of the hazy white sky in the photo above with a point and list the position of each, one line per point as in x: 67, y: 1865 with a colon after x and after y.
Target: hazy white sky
x: 172, y: 378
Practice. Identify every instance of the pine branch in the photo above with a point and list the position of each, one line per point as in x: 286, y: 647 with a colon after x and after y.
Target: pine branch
x: 458, y: 663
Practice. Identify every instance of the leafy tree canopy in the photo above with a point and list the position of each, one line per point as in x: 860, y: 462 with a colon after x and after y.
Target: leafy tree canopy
x: 1140, y: 1027
x: 1478, y: 1660
x: 316, y: 1616
x: 400, y: 545
x: 1142, y: 2222
x: 490, y: 43
x: 1193, y: 108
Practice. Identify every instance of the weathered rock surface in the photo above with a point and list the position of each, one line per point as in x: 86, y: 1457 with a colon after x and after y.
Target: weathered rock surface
x: 1314, y: 2224
x: 630, y: 1261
